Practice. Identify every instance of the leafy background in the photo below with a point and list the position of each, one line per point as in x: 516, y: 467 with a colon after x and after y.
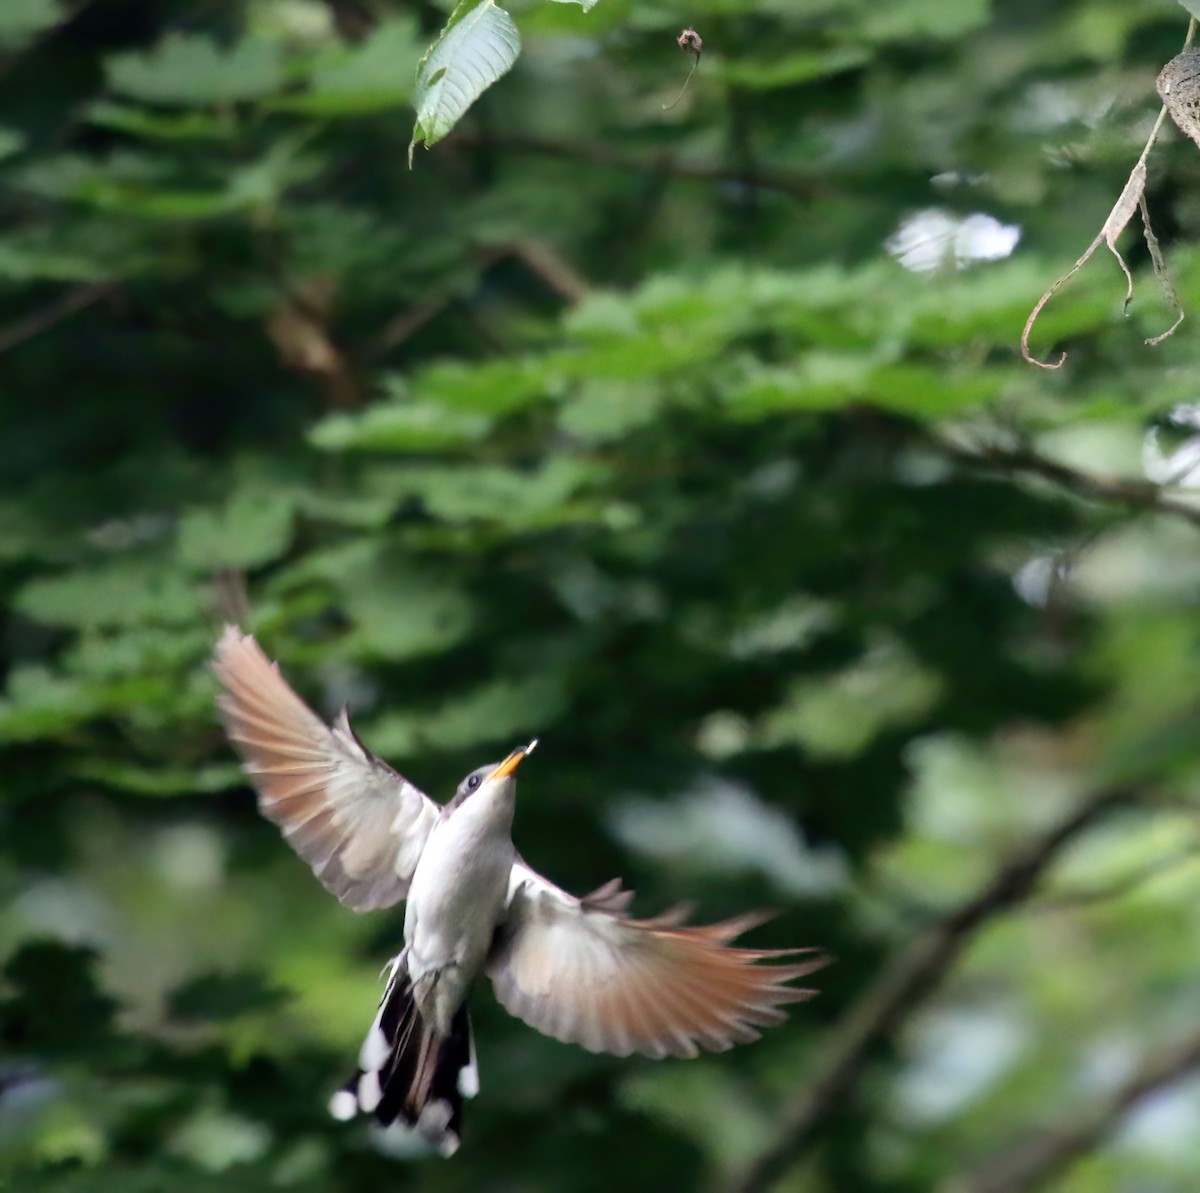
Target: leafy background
x: 696, y: 443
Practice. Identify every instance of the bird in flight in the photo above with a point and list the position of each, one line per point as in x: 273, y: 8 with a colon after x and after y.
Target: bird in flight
x: 581, y: 970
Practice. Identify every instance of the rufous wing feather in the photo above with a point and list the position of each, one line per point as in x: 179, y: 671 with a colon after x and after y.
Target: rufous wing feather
x: 582, y: 971
x: 358, y: 824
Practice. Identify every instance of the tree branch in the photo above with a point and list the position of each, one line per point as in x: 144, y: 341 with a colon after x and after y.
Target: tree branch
x: 597, y: 153
x: 1140, y: 496
x: 1048, y: 1153
x: 552, y: 270
x: 35, y: 324
x: 904, y: 985
x: 1120, y: 887
x: 1133, y: 494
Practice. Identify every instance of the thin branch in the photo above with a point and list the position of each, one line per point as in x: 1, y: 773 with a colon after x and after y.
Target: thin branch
x: 1133, y: 494
x: 904, y: 986
x: 552, y: 269
x: 1043, y: 1156
x: 35, y: 324
x: 597, y: 153
x: 1118, y: 888
x: 1139, y: 496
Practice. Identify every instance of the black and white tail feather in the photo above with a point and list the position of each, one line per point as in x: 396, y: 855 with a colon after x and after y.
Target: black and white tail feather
x: 410, y: 1080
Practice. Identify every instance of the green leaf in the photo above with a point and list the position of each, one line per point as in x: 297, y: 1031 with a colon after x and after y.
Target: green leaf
x: 262, y: 183
x: 605, y: 410
x: 149, y: 187
x: 252, y: 528
x: 374, y: 76
x: 402, y: 612
x: 400, y: 609
x: 192, y: 69
x: 39, y: 704
x: 154, y: 781
x: 495, y: 387
x: 820, y: 380
x: 520, y: 500
x: 586, y: 5
x: 930, y: 392
x: 213, y: 997
x: 478, y: 45
x: 789, y: 70
x: 924, y: 19
x: 125, y: 592
x: 838, y: 715
x: 19, y: 262
x: 53, y: 1003
x: 138, y: 650
x: 159, y: 126
x: 92, y: 247
x: 11, y: 142
x: 497, y: 711
x: 400, y: 426
x: 22, y: 20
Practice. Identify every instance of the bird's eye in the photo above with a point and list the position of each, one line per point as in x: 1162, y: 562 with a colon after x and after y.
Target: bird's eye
x: 474, y: 782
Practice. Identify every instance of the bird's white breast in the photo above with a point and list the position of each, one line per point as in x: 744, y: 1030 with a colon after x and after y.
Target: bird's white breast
x: 458, y: 894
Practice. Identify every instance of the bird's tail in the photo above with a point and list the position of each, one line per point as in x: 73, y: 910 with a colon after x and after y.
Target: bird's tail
x: 412, y: 1080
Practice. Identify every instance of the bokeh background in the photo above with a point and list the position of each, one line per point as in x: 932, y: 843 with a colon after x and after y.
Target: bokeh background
x: 696, y: 443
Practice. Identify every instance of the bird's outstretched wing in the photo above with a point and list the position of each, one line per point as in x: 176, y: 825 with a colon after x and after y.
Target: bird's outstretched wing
x: 583, y: 971
x: 358, y: 824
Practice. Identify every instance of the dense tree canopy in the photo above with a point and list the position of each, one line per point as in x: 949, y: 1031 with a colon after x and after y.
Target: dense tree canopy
x: 694, y: 440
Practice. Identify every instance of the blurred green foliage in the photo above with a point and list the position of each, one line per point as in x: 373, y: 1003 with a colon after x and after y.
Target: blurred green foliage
x: 649, y: 433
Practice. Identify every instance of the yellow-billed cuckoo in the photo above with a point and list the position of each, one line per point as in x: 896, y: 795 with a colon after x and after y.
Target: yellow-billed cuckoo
x: 580, y: 970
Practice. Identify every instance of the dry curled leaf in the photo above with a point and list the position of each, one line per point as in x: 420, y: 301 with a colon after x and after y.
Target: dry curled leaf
x: 1131, y: 199
x: 1116, y: 223
x: 1160, y: 272
x: 1178, y: 87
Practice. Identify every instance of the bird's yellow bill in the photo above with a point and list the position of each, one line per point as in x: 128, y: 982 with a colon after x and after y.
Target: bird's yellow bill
x: 511, y: 763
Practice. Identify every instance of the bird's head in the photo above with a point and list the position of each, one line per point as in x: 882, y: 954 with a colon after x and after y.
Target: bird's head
x: 497, y: 777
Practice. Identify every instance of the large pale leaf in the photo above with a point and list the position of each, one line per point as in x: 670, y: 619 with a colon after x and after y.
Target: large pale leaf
x: 479, y: 44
